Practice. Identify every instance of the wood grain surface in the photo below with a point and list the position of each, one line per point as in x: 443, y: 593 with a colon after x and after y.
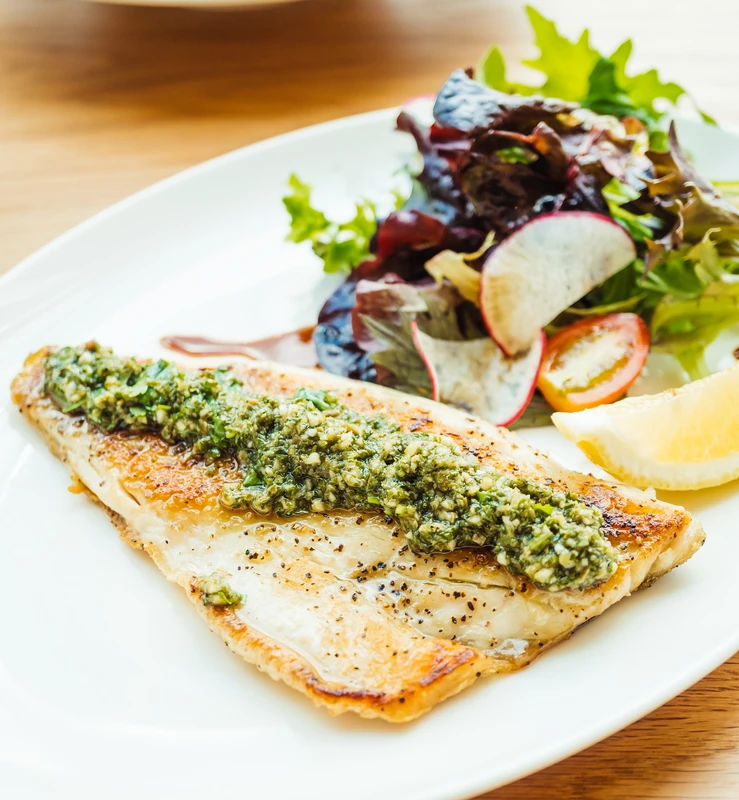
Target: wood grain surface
x: 99, y: 101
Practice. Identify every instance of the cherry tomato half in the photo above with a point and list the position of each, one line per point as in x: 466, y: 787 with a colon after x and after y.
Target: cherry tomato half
x: 593, y: 361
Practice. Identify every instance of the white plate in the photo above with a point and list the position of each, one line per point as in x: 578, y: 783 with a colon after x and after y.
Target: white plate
x: 110, y: 685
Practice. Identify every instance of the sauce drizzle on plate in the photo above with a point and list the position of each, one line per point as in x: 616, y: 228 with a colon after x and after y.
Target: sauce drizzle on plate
x: 295, y: 348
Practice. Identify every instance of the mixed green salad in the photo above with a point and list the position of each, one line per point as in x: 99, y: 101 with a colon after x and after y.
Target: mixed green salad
x: 555, y: 235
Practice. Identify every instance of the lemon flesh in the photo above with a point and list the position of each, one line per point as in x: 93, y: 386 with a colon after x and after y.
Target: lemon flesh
x: 686, y: 438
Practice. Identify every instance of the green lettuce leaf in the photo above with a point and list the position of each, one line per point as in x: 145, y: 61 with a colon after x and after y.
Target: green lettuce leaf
x: 729, y: 190
x: 685, y: 327
x: 341, y: 245
x: 306, y: 222
x: 516, y: 155
x: 566, y: 65
x: 687, y: 299
x: 640, y: 226
x: 675, y: 276
x: 576, y: 71
x: 491, y: 71
x: 646, y: 87
x: 604, y: 94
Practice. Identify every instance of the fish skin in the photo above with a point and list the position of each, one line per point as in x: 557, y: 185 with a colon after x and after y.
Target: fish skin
x: 336, y: 605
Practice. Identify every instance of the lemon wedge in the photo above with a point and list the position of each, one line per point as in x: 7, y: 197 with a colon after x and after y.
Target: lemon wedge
x: 686, y: 438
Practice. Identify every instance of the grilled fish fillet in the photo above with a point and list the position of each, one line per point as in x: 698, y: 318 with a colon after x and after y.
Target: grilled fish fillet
x: 337, y: 605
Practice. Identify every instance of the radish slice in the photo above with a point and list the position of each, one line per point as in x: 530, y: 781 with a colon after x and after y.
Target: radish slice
x: 543, y: 268
x: 476, y: 376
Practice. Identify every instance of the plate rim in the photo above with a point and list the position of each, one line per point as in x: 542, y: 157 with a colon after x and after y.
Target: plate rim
x: 271, y: 142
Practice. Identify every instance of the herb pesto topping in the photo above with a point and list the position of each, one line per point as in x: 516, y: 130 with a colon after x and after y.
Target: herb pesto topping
x: 215, y: 591
x: 310, y: 453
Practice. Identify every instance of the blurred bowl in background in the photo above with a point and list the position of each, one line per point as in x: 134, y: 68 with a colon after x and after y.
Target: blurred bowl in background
x: 215, y: 4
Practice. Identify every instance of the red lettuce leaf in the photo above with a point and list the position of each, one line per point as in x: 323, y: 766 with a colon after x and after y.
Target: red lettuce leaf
x: 517, y: 157
x: 690, y: 205
x: 334, y: 340
x: 491, y: 162
x: 382, y: 326
x: 467, y: 106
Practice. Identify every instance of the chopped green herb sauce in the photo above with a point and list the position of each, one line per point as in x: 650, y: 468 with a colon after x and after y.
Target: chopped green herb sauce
x: 215, y: 591
x: 310, y: 453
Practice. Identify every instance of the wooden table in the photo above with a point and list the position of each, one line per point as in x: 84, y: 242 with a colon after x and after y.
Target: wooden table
x: 97, y: 102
